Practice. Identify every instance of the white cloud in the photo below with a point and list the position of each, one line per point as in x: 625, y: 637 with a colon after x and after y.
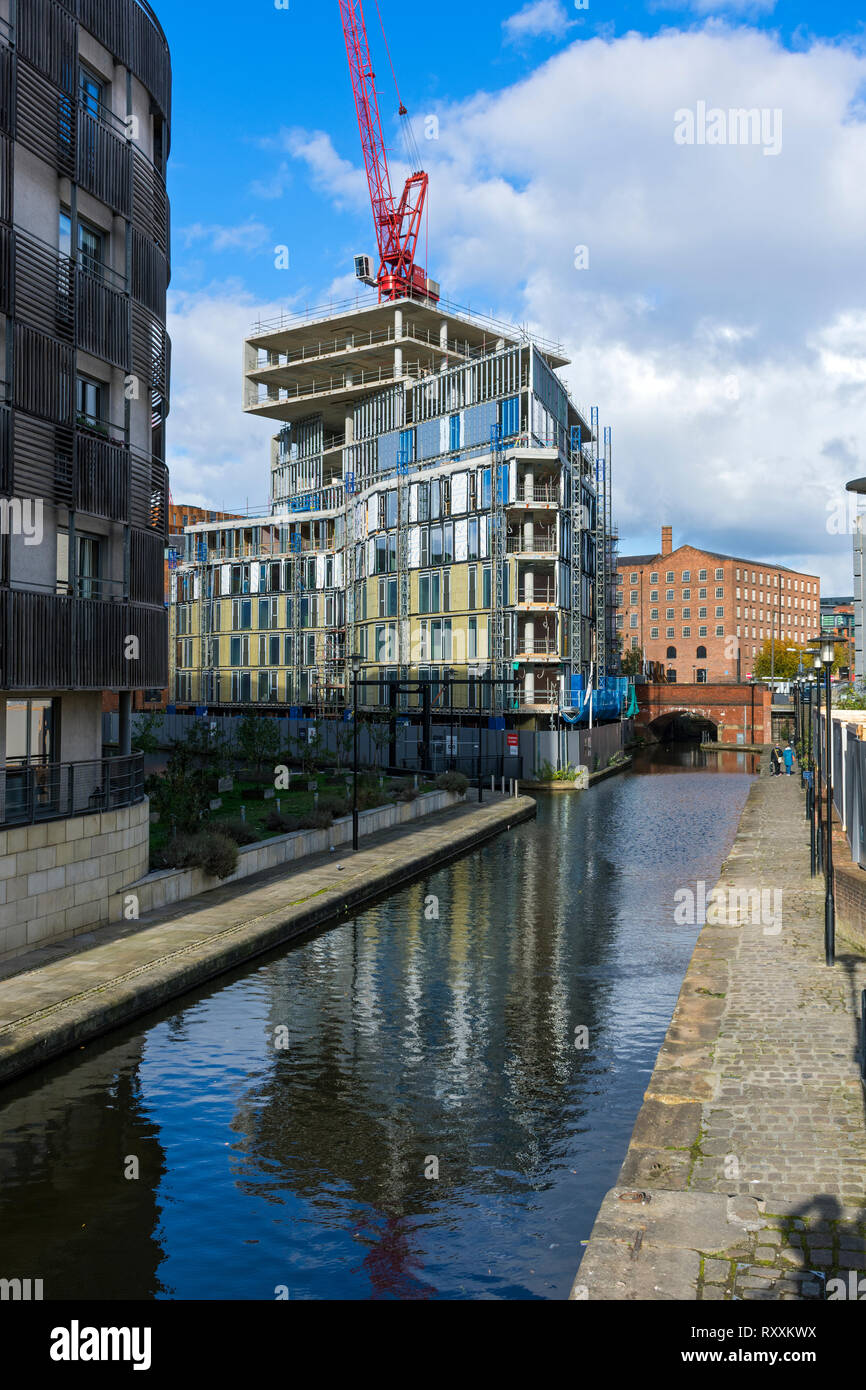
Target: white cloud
x: 248, y: 236
x: 721, y: 325
x: 540, y: 19
x: 218, y: 456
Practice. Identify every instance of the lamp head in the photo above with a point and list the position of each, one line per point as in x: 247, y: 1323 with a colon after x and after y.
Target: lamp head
x: 828, y: 653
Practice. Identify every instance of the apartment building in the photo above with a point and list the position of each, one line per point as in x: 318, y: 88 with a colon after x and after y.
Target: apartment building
x: 440, y: 511
x: 704, y: 616
x: 84, y: 367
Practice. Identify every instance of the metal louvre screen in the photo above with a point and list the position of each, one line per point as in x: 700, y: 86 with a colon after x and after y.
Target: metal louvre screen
x: 149, y: 58
x: 43, y: 287
x: 45, y: 120
x: 103, y: 479
x: 149, y: 273
x: 82, y: 643
x: 108, y: 21
x: 5, y: 270
x: 103, y: 163
x: 34, y: 453
x: 102, y: 320
x: 5, y: 179
x: 5, y: 87
x: 5, y: 449
x: 47, y: 38
x: 43, y: 375
x: 146, y: 567
x: 149, y: 201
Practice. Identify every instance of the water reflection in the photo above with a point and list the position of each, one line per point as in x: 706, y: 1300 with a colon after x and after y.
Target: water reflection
x: 432, y: 1126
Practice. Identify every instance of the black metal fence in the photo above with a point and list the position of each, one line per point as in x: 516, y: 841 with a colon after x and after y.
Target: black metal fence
x: 58, y: 791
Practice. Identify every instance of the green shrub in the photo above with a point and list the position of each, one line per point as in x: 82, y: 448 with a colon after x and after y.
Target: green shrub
x: 408, y: 794
x: 452, y: 782
x: 215, y: 854
x: 238, y: 830
x: 336, y: 806
x: 280, y: 824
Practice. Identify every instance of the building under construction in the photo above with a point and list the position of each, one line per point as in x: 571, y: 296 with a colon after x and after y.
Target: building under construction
x: 439, y: 507
x: 440, y: 516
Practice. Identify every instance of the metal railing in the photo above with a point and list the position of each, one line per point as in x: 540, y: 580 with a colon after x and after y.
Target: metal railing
x: 60, y: 791
x: 412, y: 332
x: 539, y: 595
x: 536, y: 494
x: 539, y: 646
x: 538, y: 545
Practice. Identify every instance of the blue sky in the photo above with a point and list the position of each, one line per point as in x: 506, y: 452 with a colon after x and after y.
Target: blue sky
x: 724, y: 293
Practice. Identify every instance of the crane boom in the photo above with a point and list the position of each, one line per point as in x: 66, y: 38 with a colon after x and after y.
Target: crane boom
x: 398, y: 225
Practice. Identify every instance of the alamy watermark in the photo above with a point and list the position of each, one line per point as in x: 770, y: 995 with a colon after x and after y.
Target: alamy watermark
x: 22, y: 516
x: 760, y: 907
x: 736, y: 126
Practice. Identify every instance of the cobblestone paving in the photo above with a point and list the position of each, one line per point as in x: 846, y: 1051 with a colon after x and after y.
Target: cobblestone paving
x: 787, y: 1122
x: 756, y: 1100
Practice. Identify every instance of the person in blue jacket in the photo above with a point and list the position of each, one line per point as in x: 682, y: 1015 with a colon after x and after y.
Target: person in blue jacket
x: 789, y: 760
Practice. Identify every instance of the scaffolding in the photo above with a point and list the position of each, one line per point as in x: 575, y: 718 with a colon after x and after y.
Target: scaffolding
x: 403, y: 652
x: 498, y: 544
x: 575, y: 640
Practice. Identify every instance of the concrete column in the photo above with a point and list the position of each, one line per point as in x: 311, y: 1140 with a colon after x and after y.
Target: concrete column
x: 528, y: 485
x: 500, y: 344
x: 529, y: 688
x: 528, y: 586
x: 350, y: 426
x: 398, y: 362
x: 398, y: 324
x: 443, y: 334
x: 528, y: 534
x: 124, y: 724
x: 529, y: 636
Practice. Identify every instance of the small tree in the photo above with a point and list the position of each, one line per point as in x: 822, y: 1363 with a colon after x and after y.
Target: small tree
x: 258, y: 739
x: 632, y: 661
x: 345, y: 743
x: 309, y: 743
x: 145, y: 739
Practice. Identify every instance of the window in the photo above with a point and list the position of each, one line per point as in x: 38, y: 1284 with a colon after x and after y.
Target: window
x: 672, y: 654
x: 671, y: 632
x: 486, y: 586
x: 702, y: 575
x: 29, y: 736
x: 720, y: 574
x: 669, y: 595
x: 88, y: 568
x: 720, y: 631
x: 632, y: 622
x: 672, y: 676
x: 701, y: 677
x: 702, y: 632
x: 91, y: 92
x: 687, y: 593
x: 407, y: 447
x: 90, y: 402
x: 701, y: 653
x: 634, y: 596
x: 720, y: 611
x: 702, y: 612
x: 654, y: 579
x: 720, y: 593
x: 669, y: 613
x: 472, y: 641
x: 687, y: 576
x: 454, y: 430
x: 654, y: 613
x: 669, y: 577
x: 509, y: 417
x: 687, y: 632
x: 702, y: 593
x: 388, y: 599
x: 687, y: 613
x: 654, y: 632
x: 91, y: 248
x: 633, y: 579
x: 473, y: 587
x: 654, y: 596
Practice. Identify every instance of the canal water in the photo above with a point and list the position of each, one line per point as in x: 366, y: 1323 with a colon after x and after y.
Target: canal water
x: 428, y: 1100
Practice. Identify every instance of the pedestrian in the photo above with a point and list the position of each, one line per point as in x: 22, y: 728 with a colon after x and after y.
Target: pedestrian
x: 775, y: 762
x: 789, y: 760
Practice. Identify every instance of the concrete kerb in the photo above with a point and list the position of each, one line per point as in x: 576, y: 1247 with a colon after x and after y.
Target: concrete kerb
x: 123, y: 995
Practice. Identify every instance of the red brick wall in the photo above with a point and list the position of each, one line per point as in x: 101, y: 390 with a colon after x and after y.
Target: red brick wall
x: 793, y: 622
x: 729, y: 707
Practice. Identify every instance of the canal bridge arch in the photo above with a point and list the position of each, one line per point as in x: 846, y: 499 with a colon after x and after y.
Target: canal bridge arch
x: 738, y: 713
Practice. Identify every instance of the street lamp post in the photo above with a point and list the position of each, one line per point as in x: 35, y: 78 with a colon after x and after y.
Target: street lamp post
x: 819, y: 829
x: 827, y: 655
x: 356, y: 665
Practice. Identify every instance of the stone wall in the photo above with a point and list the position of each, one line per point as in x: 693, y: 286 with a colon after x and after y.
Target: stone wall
x: 58, y: 878
x: 176, y: 885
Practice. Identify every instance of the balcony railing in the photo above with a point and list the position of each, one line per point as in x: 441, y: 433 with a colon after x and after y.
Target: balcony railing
x: 57, y: 642
x: 59, y: 791
x: 537, y: 494
x: 537, y: 545
x: 537, y: 646
x: 540, y: 594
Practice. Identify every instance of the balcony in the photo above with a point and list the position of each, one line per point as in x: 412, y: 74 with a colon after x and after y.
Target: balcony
x: 541, y: 543
x: 545, y: 495
x: 541, y: 596
x: 536, y: 648
x: 59, y: 791
x: 58, y: 642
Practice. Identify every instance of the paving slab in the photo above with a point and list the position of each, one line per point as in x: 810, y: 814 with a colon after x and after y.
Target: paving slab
x: 755, y: 1099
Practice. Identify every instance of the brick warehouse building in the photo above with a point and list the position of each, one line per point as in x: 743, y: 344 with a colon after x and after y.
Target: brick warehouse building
x: 705, y: 616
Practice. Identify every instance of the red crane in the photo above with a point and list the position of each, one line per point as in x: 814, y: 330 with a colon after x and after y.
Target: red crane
x: 398, y: 225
